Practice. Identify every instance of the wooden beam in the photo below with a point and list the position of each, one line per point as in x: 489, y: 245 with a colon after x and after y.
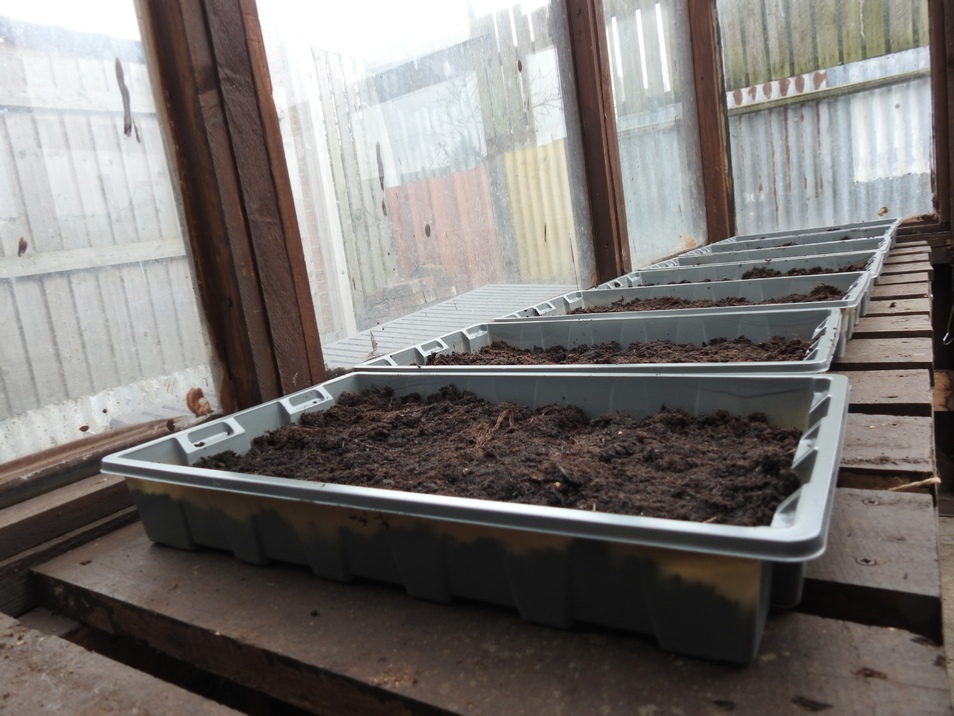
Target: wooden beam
x: 17, y: 593
x: 38, y: 473
x: 213, y: 90
x: 886, y: 354
x: 941, y: 19
x: 886, y: 451
x: 93, y: 257
x: 594, y: 96
x: 890, y: 392
x: 713, y: 122
x: 33, y: 522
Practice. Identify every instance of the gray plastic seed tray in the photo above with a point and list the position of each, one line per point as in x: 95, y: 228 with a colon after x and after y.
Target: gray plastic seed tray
x: 742, y: 252
x: 729, y: 245
x: 818, y: 326
x: 857, y: 230
x: 856, y: 288
x: 872, y: 260
x: 702, y: 589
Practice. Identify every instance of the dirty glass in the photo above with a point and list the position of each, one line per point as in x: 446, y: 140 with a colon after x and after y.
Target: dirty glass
x: 98, y: 315
x: 435, y: 162
x: 829, y: 106
x: 654, y: 95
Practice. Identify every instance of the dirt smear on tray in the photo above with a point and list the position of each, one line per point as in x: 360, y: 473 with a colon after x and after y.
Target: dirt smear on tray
x: 716, y: 468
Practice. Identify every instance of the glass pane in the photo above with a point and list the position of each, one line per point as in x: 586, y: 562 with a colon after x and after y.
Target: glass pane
x: 654, y: 94
x: 829, y: 110
x: 98, y: 312
x: 432, y: 158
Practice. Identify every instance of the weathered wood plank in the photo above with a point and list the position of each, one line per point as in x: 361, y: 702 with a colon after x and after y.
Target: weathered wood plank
x: 17, y: 594
x: 899, y: 306
x: 30, y: 523
x: 46, y: 674
x: 875, y: 354
x: 943, y: 396
x: 369, y: 648
x: 35, y: 474
x: 895, y: 291
x: 35, y: 264
x: 881, y: 566
x: 915, y: 277
x: 884, y: 451
x: 908, y: 256
x: 908, y: 268
x: 914, y: 326
x: 890, y: 392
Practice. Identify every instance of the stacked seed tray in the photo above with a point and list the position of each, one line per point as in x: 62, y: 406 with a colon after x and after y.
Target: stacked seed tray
x: 702, y: 589
x: 714, y: 272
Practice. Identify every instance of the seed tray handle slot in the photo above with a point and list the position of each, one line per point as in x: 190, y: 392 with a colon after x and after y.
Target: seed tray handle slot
x: 305, y: 400
x: 195, y: 443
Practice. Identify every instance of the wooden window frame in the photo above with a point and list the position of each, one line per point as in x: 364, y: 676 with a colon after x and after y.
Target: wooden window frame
x: 208, y: 64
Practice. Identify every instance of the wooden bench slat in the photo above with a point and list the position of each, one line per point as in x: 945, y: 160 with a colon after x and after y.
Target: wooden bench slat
x: 37, y: 520
x: 913, y: 326
x: 369, y: 648
x: 918, y: 277
x: 45, y: 674
x: 881, y: 565
x: 899, y: 307
x: 890, y: 392
x: 884, y: 354
x: 891, y: 269
x: 883, y: 451
x: 892, y: 292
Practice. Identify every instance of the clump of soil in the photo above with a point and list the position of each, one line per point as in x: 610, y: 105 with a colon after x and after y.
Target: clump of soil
x: 765, y: 272
x: 718, y: 350
x: 663, y: 303
x: 714, y: 468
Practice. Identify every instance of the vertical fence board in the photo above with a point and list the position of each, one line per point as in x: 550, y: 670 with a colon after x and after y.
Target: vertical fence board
x: 778, y: 38
x: 68, y: 344
x: 41, y: 229
x: 19, y: 389
x: 37, y: 326
x: 753, y: 37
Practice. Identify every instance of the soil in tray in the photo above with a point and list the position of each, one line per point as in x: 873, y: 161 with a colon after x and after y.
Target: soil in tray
x: 715, y: 468
x: 718, y: 350
x: 665, y: 303
x: 764, y: 272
